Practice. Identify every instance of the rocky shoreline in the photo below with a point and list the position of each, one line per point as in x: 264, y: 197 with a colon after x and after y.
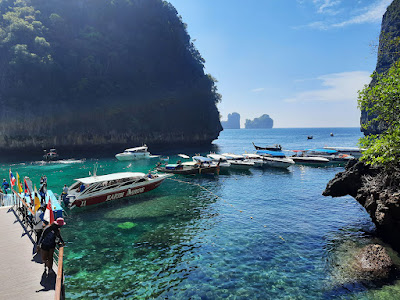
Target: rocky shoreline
x: 377, y: 191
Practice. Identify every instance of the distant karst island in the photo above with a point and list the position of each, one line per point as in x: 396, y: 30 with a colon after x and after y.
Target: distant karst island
x: 233, y: 121
x: 259, y: 123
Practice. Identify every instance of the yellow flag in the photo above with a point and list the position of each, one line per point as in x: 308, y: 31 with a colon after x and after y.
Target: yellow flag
x: 37, y: 200
x: 20, y: 190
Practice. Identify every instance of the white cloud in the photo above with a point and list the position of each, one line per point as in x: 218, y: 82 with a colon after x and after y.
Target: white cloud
x: 337, y: 87
x: 257, y: 90
x: 325, y: 6
x: 372, y: 14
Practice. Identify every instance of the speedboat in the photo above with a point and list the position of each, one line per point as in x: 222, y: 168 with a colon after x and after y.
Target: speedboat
x: 335, y: 158
x: 238, y: 161
x: 300, y: 158
x: 198, y: 165
x: 275, y: 159
x: 135, y: 153
x: 51, y: 155
x: 97, y: 189
x: 219, y: 159
x: 353, y: 151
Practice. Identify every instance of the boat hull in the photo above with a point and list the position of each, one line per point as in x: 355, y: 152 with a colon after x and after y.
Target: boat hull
x: 189, y: 171
x: 117, y: 194
x: 123, y: 157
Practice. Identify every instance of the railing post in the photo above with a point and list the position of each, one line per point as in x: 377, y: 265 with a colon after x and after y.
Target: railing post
x: 60, y: 275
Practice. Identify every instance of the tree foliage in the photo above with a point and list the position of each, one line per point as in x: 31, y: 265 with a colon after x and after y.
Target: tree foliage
x: 382, y: 100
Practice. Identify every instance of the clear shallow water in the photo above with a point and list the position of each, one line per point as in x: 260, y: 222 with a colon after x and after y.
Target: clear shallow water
x: 261, y: 234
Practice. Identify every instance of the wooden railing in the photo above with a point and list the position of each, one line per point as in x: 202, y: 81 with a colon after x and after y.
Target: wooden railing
x: 60, y: 291
x: 24, y: 209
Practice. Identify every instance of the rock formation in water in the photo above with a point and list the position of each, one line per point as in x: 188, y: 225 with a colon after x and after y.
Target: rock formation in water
x: 262, y: 122
x: 81, y: 74
x: 388, y: 53
x: 377, y: 191
x: 233, y: 121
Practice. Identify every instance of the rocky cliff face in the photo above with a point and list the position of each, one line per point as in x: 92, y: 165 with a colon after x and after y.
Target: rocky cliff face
x: 233, y: 121
x: 92, y: 74
x: 377, y: 191
x: 262, y: 122
x: 388, y: 53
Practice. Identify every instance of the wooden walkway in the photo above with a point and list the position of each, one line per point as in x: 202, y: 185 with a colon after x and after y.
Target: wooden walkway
x: 21, y: 272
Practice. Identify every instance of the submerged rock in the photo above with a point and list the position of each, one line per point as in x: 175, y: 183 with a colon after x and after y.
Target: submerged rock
x: 373, y: 262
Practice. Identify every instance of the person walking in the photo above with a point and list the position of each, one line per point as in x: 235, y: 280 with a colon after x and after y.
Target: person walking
x: 47, y: 243
x: 5, y: 186
x: 38, y: 225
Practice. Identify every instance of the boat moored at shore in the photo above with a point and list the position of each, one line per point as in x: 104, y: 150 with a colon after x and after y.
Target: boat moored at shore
x: 97, y: 189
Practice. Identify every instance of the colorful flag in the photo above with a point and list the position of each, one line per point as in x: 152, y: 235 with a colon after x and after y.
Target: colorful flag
x: 37, y: 200
x: 12, y: 179
x: 19, y: 185
x: 27, y: 191
x: 48, y: 214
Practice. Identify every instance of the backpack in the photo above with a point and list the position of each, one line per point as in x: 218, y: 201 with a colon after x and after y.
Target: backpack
x: 49, y: 240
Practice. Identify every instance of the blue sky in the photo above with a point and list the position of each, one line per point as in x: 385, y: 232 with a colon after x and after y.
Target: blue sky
x: 300, y: 61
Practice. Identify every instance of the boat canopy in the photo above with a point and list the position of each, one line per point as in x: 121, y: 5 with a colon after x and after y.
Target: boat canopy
x: 114, y: 176
x: 328, y: 151
x: 232, y: 156
x: 269, y: 152
x: 202, y: 159
x: 143, y: 148
x: 184, y: 156
x: 216, y: 156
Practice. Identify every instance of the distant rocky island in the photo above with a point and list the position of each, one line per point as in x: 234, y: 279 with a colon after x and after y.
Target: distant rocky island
x: 233, y: 121
x: 259, y: 123
x: 101, y: 74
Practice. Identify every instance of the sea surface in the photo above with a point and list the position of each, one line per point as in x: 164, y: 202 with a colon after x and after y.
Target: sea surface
x: 258, y: 234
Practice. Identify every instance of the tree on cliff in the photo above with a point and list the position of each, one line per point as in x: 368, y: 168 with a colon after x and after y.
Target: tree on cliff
x: 383, y: 101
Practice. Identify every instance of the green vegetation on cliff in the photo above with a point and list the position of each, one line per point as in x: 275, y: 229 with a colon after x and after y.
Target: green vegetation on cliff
x: 87, y: 72
x: 382, y: 99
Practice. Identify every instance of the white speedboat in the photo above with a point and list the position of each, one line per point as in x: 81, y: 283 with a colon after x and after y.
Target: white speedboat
x: 96, y: 189
x: 353, y: 151
x: 266, y: 161
x: 51, y: 155
x: 276, y: 159
x: 135, y: 153
x: 218, y: 158
x: 238, y: 161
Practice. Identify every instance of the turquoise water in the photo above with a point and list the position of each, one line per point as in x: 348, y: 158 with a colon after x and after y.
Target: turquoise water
x: 258, y: 234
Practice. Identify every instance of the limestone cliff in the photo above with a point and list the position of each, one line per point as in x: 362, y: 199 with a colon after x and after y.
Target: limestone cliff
x: 388, y: 53
x: 233, y: 121
x: 258, y: 123
x: 81, y: 74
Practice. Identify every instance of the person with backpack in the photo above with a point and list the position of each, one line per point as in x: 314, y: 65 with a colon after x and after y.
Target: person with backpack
x: 38, y: 224
x: 47, y: 243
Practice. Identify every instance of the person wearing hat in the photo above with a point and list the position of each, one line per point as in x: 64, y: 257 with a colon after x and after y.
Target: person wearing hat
x: 47, y: 243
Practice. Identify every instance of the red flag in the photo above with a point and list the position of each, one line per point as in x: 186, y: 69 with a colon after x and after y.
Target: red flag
x: 27, y: 191
x: 12, y: 179
x: 48, y: 214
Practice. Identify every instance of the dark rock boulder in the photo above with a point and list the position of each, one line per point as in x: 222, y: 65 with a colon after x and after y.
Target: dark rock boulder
x: 373, y: 262
x: 377, y: 191
x: 347, y: 182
